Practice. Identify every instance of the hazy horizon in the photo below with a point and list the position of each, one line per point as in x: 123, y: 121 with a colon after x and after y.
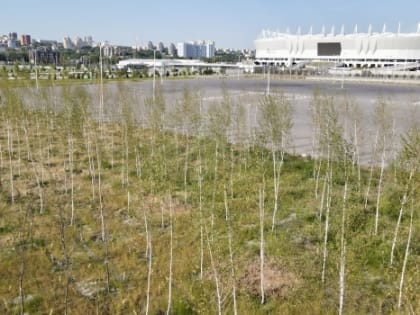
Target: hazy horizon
x: 231, y: 24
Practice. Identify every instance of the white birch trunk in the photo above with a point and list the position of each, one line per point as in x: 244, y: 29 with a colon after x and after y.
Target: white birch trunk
x: 372, y: 162
x: 232, y: 266
x: 200, y: 191
x: 149, y: 261
x: 70, y: 153
x: 321, y: 206
x: 10, y: 149
x: 327, y: 214
x: 343, y: 253
x: 378, y: 198
x: 216, y: 277
x: 327, y: 217
x: 407, y: 252
x: 261, y: 206
x: 403, y: 202
x: 170, y: 257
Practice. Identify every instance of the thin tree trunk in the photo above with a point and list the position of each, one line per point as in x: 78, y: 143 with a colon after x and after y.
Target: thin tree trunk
x: 216, y: 277
x: 70, y: 153
x: 66, y: 260
x: 327, y: 216
x: 321, y: 206
x: 21, y: 272
x: 318, y: 175
x: 232, y: 167
x: 200, y: 191
x: 162, y: 218
x: 261, y: 206
x: 186, y: 169
x: 313, y: 153
x: 112, y: 149
x: 328, y: 175
x: 38, y: 133
x: 149, y: 260
x: 372, y: 162
x: 277, y: 170
x: 170, y: 257
x: 128, y: 202
x: 127, y: 181
x: 276, y: 186
x: 394, y: 151
x: 378, y: 198
x: 38, y: 183
x: 229, y: 226
x: 10, y: 149
x: 103, y: 230
x: 101, y: 212
x: 356, y: 159
x: 91, y: 163
x: 407, y: 252
x: 225, y: 203
x: 28, y: 150
x: 18, y: 152
x: 232, y: 266
x: 403, y: 202
x: 138, y: 164
x: 343, y: 252
x: 216, y: 159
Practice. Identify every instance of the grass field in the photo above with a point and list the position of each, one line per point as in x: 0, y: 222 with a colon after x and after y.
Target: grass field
x: 112, y: 218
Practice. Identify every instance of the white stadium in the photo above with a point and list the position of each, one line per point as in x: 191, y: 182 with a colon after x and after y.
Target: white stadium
x: 400, y: 51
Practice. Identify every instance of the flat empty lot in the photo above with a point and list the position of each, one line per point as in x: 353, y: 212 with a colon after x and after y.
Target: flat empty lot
x: 403, y: 102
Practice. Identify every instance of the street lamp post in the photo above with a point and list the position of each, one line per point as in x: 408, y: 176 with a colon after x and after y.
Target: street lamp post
x: 36, y: 72
x: 154, y: 74
x: 101, y: 97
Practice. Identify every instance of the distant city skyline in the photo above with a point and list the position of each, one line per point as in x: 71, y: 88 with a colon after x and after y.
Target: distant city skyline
x: 231, y: 24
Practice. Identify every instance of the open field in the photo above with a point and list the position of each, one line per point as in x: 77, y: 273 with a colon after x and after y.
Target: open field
x: 192, y: 200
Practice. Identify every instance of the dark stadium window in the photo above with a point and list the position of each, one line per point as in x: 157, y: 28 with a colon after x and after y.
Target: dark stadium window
x: 329, y: 49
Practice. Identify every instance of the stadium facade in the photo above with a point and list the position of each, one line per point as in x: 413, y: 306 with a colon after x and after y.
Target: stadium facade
x: 355, y: 50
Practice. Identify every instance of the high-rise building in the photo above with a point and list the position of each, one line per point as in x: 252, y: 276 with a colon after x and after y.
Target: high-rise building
x: 25, y: 40
x: 13, y: 36
x: 68, y: 43
x: 89, y: 40
x: 78, y: 42
x: 108, y: 50
x: 150, y: 46
x: 172, y: 50
x: 210, y: 49
x: 11, y: 43
x: 202, y: 49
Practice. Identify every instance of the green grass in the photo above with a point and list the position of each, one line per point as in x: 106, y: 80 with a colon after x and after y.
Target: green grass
x: 35, y: 241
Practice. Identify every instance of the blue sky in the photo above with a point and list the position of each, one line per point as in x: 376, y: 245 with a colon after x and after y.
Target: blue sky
x: 232, y: 24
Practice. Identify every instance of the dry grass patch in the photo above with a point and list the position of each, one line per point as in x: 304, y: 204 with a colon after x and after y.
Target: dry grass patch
x: 278, y: 281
